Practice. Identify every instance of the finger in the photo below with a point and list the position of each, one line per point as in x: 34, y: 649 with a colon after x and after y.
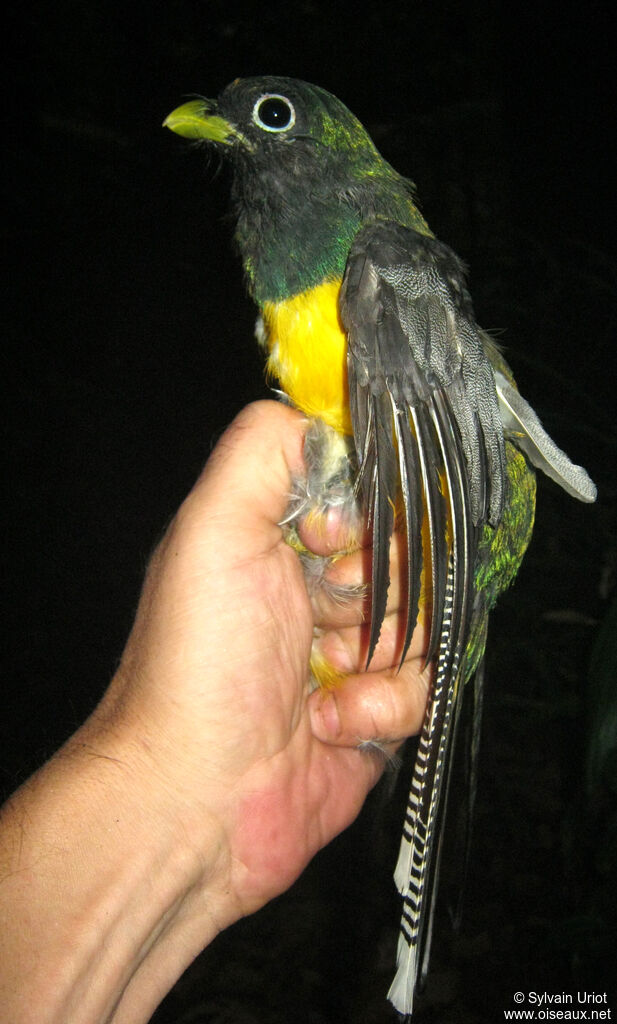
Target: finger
x: 336, y: 529
x: 372, y: 707
x: 243, y: 490
x: 346, y: 647
x: 232, y: 513
x: 344, y: 598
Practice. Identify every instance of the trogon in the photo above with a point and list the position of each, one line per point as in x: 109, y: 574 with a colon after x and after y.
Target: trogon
x: 416, y: 423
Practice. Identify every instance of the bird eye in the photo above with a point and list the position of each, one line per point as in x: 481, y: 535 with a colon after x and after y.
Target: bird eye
x: 274, y: 113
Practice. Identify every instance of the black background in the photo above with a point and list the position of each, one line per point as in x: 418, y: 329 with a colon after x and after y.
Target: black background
x: 129, y: 348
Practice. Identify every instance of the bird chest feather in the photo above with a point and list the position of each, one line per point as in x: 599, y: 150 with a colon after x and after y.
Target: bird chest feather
x: 307, y: 353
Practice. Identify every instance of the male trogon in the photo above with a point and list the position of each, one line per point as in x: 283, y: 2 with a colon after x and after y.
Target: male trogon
x: 416, y: 422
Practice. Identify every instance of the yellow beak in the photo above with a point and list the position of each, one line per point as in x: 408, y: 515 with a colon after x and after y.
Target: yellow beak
x: 194, y: 120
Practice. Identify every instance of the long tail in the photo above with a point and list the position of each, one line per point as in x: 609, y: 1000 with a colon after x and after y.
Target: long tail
x: 417, y: 866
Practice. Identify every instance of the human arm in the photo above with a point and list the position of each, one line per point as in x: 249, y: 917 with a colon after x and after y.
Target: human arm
x: 206, y: 779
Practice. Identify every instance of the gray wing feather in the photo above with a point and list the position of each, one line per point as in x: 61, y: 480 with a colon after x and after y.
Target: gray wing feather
x: 429, y: 413
x: 412, y: 340
x: 520, y: 421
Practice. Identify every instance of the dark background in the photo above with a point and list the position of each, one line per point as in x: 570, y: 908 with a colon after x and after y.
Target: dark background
x: 129, y: 348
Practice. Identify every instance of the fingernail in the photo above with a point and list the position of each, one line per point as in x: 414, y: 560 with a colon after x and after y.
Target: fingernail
x: 325, y: 720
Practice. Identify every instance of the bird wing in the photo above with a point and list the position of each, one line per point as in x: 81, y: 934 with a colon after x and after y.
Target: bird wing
x: 427, y: 425
x: 521, y: 423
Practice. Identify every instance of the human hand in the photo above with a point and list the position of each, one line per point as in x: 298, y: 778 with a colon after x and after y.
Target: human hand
x: 214, y: 676
x: 207, y: 777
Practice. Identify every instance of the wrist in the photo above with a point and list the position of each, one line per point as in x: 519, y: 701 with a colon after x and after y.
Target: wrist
x: 109, y: 888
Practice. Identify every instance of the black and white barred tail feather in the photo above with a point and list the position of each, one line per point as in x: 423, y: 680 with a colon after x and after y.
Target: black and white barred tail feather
x: 472, y: 752
x: 418, y: 830
x: 417, y: 870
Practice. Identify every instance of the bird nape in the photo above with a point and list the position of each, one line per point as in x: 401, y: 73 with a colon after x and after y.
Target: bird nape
x: 416, y: 422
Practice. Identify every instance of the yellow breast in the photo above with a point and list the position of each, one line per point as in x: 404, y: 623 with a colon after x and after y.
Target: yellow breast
x: 307, y: 353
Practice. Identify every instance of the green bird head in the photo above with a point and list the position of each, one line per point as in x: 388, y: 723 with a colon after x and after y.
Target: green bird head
x: 272, y: 119
x: 306, y: 177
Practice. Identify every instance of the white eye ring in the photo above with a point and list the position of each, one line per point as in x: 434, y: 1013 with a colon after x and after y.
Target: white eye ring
x: 273, y: 127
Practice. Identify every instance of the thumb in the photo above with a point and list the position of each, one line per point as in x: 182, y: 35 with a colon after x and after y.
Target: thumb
x: 245, y: 486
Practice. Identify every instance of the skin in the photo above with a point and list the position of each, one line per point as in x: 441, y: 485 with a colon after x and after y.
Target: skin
x: 207, y: 777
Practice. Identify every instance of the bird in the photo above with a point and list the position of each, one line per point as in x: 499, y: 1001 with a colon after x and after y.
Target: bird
x: 415, y: 421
